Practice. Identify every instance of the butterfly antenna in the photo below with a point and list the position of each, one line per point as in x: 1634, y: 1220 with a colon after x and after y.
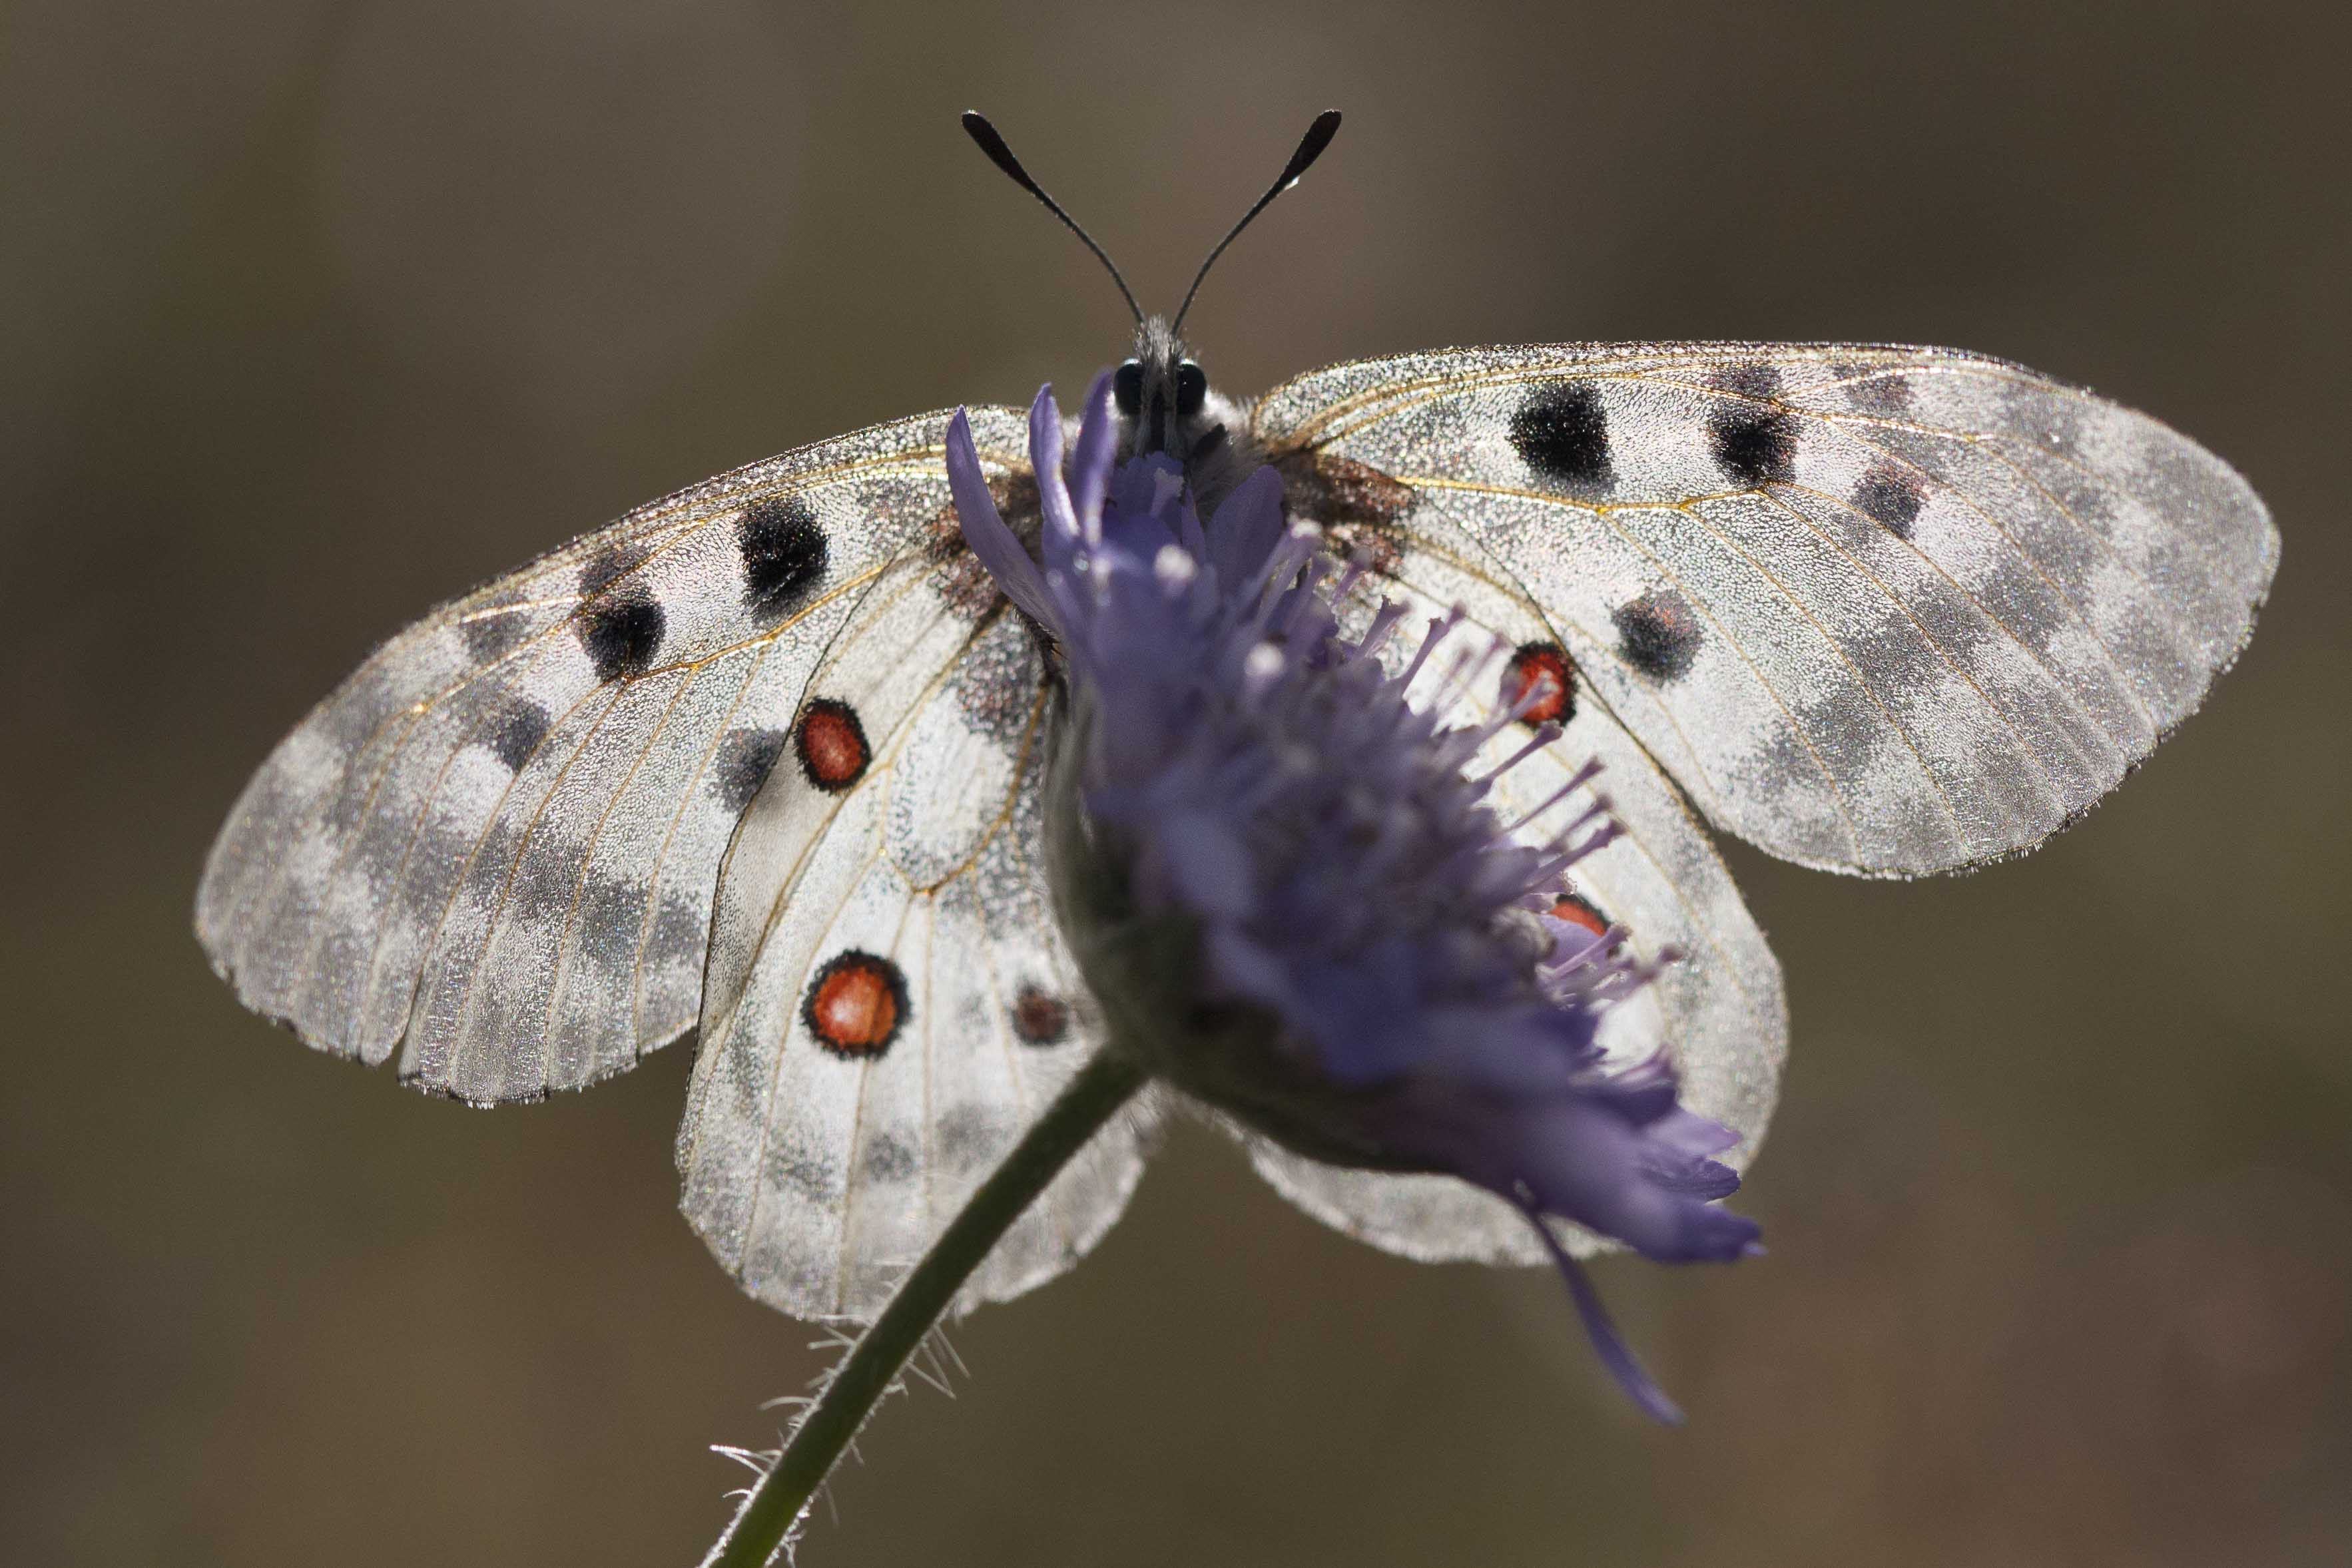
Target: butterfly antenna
x: 1310, y: 147
x: 976, y: 126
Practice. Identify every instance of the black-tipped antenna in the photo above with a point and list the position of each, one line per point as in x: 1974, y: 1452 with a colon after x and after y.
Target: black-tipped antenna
x: 1310, y: 147
x: 976, y: 126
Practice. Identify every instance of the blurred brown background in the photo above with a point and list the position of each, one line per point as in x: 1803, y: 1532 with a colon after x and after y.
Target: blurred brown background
x: 314, y: 314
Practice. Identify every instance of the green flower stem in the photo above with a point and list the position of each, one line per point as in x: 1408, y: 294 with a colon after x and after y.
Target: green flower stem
x: 782, y: 1495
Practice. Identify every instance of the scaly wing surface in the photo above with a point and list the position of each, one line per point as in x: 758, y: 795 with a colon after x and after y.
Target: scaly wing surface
x: 493, y: 849
x: 1878, y: 610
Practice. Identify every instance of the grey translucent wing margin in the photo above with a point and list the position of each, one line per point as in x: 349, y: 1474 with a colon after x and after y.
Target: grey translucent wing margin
x: 1876, y: 608
x: 1719, y: 1013
x: 821, y: 1151
x: 495, y: 846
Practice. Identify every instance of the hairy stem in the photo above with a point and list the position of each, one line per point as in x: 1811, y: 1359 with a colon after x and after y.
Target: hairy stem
x: 781, y: 1496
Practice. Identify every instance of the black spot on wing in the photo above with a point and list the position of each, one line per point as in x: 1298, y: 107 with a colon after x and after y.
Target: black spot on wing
x: 1561, y: 432
x: 1756, y: 446
x: 970, y: 1137
x: 622, y: 633
x: 1658, y: 634
x: 890, y: 1162
x: 606, y: 567
x: 491, y: 632
x: 1759, y: 382
x: 1039, y: 1016
x: 784, y: 553
x: 677, y: 928
x: 1879, y: 391
x: 803, y: 1170
x: 520, y: 734
x: 1890, y: 498
x: 743, y: 762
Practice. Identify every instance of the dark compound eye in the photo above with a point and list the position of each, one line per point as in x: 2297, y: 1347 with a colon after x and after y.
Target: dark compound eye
x: 1126, y: 388
x: 1191, y: 387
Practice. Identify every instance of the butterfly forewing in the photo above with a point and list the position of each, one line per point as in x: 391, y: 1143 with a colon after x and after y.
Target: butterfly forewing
x: 497, y: 841
x: 1718, y: 1013
x: 1882, y: 610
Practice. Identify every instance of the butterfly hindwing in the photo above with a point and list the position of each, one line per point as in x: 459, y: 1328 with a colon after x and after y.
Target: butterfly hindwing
x: 1880, y: 609
x: 495, y: 846
x: 890, y: 1004
x: 1719, y: 1012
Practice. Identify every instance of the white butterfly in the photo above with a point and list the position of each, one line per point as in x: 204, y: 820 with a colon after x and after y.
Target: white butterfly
x: 762, y: 759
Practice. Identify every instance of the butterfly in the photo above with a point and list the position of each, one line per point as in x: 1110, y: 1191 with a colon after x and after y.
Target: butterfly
x: 759, y: 763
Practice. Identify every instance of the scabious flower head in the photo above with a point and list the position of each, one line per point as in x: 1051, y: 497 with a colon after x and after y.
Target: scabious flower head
x: 1285, y: 883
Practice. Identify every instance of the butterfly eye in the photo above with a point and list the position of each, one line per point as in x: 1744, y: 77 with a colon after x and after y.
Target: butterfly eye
x: 1126, y: 388
x: 1191, y: 387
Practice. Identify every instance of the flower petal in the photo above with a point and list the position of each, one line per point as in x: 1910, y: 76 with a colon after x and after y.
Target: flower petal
x: 1090, y: 464
x: 1607, y: 1344
x: 1246, y: 527
x: 1045, y: 457
x: 983, y: 529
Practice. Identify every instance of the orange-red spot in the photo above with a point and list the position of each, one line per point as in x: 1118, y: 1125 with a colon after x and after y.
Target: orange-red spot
x: 856, y: 1004
x: 1541, y: 670
x: 1579, y: 910
x: 832, y: 744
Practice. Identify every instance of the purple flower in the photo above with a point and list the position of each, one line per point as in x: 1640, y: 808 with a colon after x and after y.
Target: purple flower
x: 1286, y: 888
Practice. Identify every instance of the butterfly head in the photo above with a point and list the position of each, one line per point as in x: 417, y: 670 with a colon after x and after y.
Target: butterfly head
x: 1163, y: 398
x: 1166, y: 405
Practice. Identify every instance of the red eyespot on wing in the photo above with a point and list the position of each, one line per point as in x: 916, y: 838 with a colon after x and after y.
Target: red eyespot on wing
x: 1544, y: 671
x: 1579, y: 910
x: 856, y: 1004
x: 831, y: 745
